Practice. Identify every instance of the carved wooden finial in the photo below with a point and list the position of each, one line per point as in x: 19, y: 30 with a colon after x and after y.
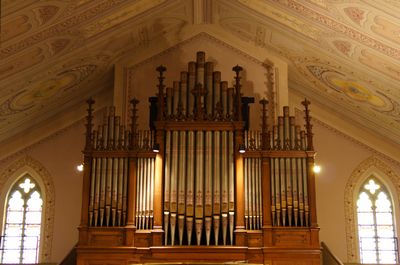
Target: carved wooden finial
x: 237, y: 69
x: 160, y: 114
x: 308, y: 125
x: 264, y: 126
x: 89, y: 119
x: 161, y: 69
x: 238, y: 102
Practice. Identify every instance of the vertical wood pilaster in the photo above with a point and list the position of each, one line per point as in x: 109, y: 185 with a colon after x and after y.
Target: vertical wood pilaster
x: 266, y: 191
x: 158, y: 191
x: 311, y: 190
x: 266, y: 201
x: 240, y: 231
x: 83, y: 238
x: 87, y: 162
x: 130, y: 222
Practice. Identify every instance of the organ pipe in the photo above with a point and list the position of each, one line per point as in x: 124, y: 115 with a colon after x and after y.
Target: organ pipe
x: 182, y: 183
x: 209, y: 68
x: 199, y: 207
x: 184, y: 91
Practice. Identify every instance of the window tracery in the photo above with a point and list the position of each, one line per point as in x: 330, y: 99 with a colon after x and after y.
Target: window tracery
x: 22, y: 228
x: 376, y: 231
x: 384, y: 176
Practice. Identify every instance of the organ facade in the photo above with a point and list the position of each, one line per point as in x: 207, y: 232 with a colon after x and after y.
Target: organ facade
x: 199, y: 185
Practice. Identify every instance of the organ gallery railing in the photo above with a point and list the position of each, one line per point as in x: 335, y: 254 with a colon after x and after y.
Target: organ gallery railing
x: 199, y: 189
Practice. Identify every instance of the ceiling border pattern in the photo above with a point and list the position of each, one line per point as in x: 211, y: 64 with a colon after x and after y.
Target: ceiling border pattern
x: 339, y: 27
x: 59, y: 28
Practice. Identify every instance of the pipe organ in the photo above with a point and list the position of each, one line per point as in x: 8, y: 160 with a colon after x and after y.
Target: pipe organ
x: 199, y: 181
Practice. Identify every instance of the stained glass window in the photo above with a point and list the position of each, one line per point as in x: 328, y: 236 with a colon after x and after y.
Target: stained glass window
x: 376, y: 231
x: 21, y: 233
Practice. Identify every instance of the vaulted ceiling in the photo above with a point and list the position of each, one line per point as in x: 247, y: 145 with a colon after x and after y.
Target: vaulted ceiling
x: 342, y: 54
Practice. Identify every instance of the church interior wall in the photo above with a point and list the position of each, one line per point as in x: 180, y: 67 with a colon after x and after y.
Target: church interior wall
x: 338, y: 154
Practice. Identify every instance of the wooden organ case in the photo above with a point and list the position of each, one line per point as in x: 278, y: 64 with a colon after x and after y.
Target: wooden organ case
x: 199, y: 186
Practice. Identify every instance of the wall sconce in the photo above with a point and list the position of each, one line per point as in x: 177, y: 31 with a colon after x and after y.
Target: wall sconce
x: 242, y: 149
x: 156, y: 148
x: 316, y: 168
x: 79, y: 167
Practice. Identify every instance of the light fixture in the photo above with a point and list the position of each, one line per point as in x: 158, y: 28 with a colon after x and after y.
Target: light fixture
x: 242, y: 149
x: 316, y: 169
x: 156, y: 148
x: 79, y: 167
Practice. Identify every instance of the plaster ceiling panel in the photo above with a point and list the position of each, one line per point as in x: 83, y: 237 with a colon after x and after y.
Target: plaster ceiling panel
x: 344, y: 54
x: 347, y: 66
x: 69, y: 56
x: 41, y: 98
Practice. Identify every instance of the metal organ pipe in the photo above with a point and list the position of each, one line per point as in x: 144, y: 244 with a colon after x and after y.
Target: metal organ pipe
x: 231, y: 185
x: 191, y: 84
x: 199, y: 176
x: 216, y: 92
x: 209, y: 68
x: 167, y: 180
x: 216, y: 184
x: 224, y: 186
x: 224, y: 99
x: 120, y: 190
x: 175, y: 99
x: 174, y: 180
x: 181, y: 182
x: 190, y: 185
x: 170, y: 96
x: 92, y: 190
x: 183, y: 92
x: 208, y: 184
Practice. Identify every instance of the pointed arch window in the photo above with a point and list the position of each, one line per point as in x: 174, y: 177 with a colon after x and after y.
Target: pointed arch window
x: 22, y: 225
x: 376, y: 228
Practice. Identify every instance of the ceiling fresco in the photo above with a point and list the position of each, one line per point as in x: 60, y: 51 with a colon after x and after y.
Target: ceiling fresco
x: 342, y: 54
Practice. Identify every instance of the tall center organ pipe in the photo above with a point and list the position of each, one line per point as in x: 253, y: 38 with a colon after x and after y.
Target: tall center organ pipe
x: 200, y: 179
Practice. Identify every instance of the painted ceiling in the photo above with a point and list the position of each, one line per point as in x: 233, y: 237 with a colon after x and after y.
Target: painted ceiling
x: 343, y: 54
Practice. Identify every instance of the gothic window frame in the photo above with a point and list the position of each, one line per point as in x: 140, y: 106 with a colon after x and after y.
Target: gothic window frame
x: 25, y: 190
x: 372, y: 193
x: 372, y: 166
x: 9, y: 176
